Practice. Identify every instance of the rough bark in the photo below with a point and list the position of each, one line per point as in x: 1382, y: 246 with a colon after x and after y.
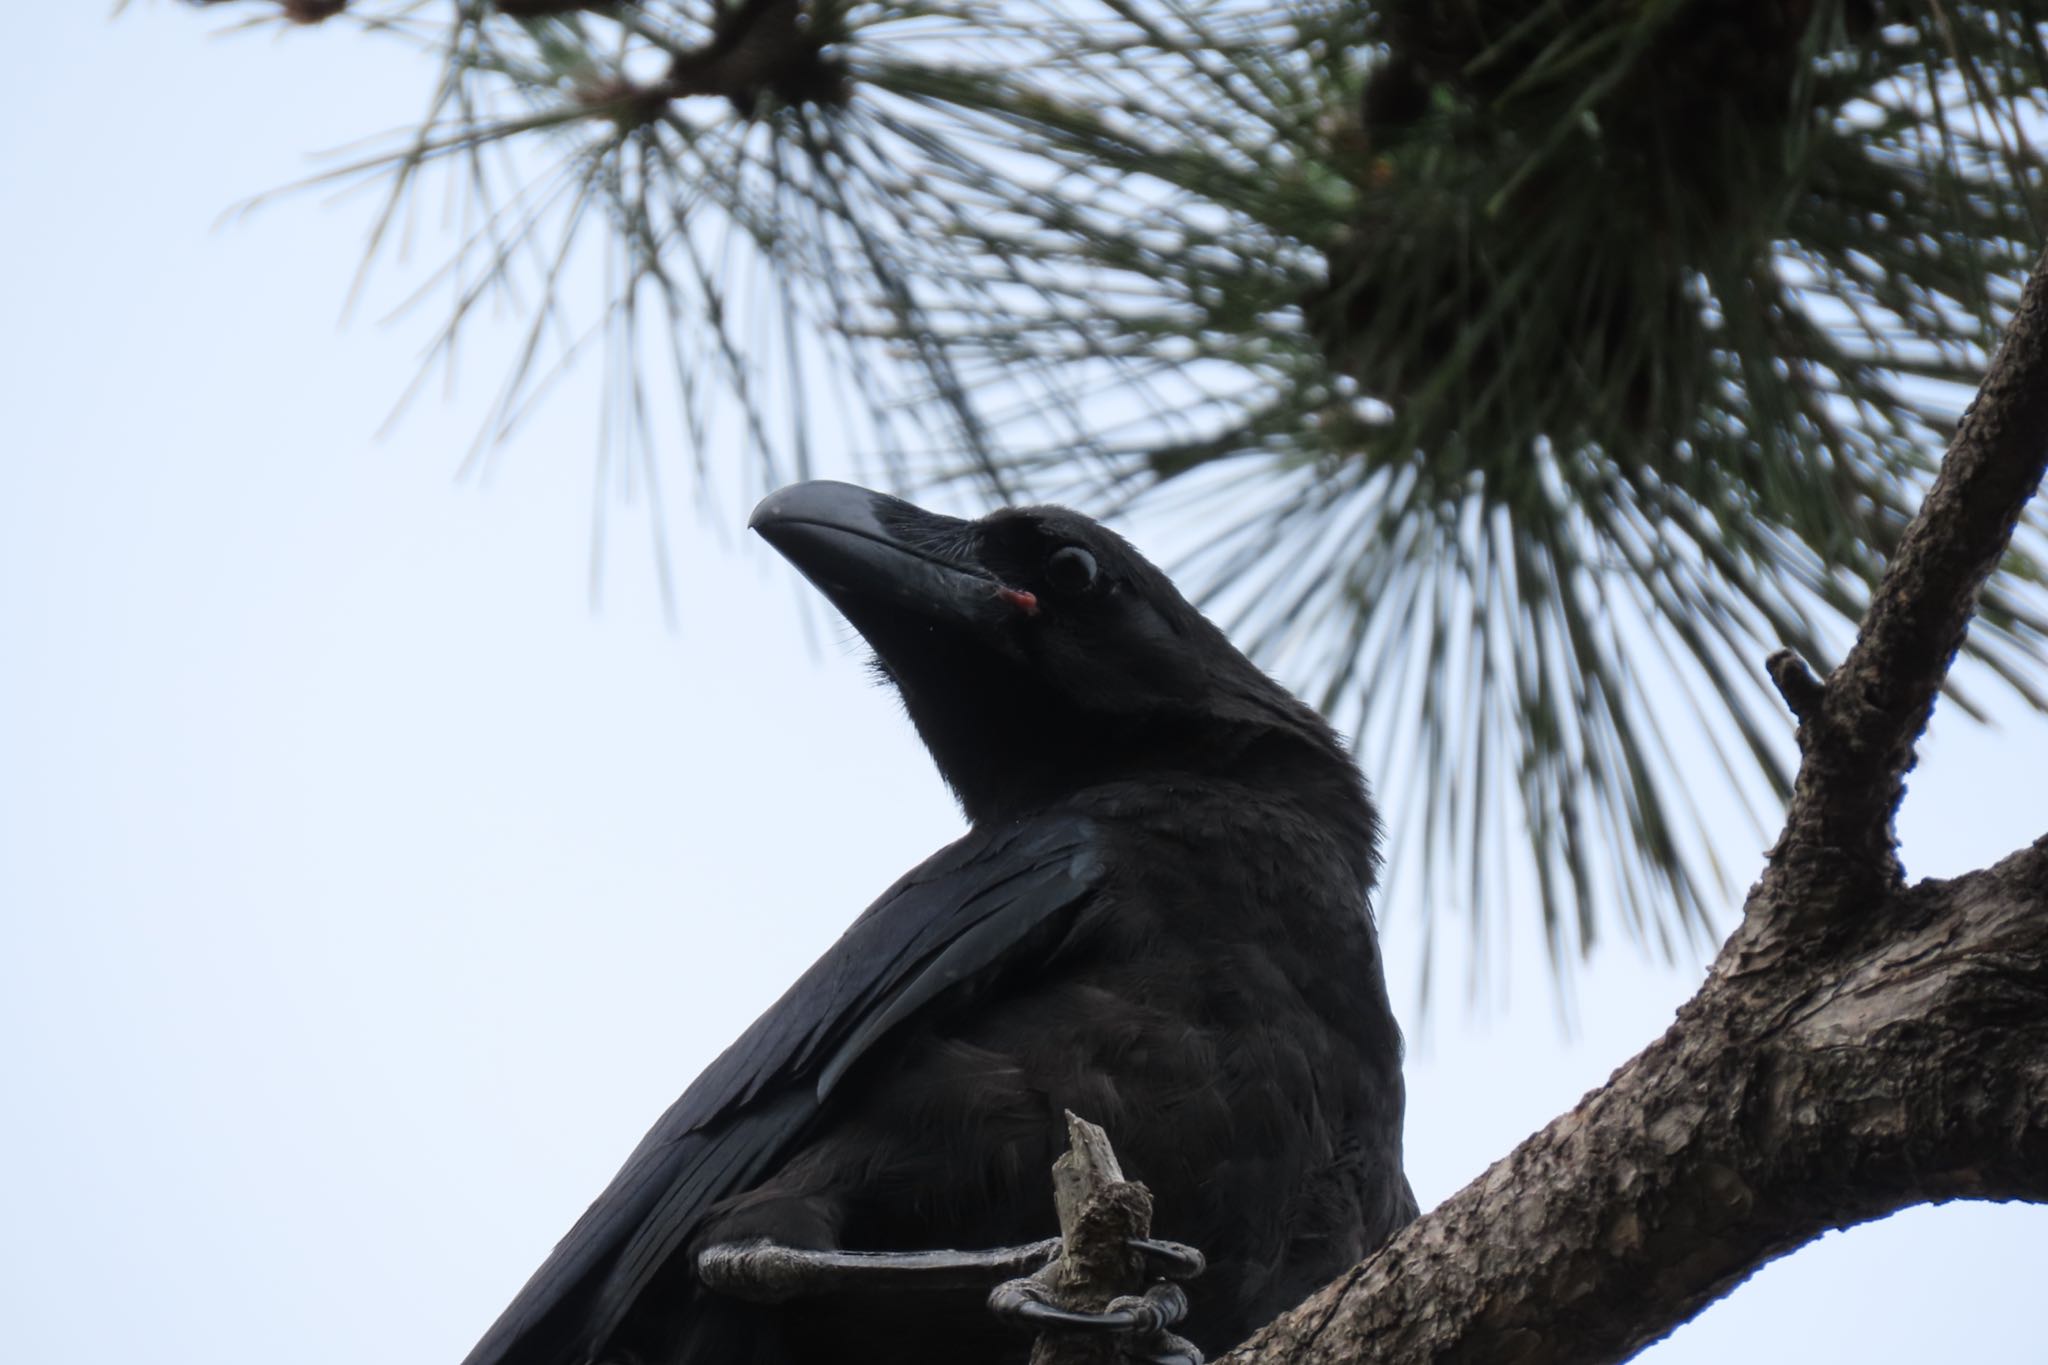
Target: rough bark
x: 1911, y: 1067
x: 1859, y: 1045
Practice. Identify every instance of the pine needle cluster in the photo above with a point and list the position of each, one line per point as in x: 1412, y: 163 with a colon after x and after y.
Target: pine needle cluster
x: 1531, y: 368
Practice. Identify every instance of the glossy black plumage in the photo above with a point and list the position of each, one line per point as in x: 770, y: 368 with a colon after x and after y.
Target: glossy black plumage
x: 1158, y: 920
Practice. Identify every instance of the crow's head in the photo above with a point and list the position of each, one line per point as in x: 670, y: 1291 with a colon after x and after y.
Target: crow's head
x: 1037, y: 652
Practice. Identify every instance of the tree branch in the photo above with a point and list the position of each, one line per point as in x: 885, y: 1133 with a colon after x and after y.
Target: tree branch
x: 1781, y: 1105
x: 1858, y: 1047
x: 1856, y: 745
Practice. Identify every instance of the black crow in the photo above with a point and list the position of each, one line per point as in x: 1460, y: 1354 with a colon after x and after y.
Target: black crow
x: 1158, y: 920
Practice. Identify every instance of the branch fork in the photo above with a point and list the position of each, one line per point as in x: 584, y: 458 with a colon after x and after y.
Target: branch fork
x: 1859, y: 1045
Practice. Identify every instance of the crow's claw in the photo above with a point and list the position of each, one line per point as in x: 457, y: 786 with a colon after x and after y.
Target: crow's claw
x: 1144, y: 1317
x: 1155, y: 1310
x: 1170, y: 1260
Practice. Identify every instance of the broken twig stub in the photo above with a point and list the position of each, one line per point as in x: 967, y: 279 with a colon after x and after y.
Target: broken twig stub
x: 1100, y: 1213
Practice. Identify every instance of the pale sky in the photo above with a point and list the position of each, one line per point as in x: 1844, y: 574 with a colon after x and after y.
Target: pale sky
x: 364, y: 893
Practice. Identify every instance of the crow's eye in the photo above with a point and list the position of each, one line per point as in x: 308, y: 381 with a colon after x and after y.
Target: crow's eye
x: 1070, y: 569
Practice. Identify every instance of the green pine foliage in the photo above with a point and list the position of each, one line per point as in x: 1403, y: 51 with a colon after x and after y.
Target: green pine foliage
x: 1532, y: 368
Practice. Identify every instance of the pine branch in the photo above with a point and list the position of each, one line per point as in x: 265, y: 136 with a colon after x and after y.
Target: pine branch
x: 1523, y: 383
x: 1858, y: 1047
x: 1857, y: 744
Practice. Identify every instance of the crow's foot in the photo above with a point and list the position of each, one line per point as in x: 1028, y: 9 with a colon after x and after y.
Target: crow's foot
x: 768, y: 1272
x: 1142, y: 1318
x: 1024, y: 1303
x: 1169, y: 1260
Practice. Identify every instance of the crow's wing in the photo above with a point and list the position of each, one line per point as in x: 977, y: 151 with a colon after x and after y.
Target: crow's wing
x: 961, y: 914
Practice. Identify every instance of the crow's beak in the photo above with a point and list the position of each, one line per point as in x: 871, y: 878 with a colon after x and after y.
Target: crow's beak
x: 869, y: 552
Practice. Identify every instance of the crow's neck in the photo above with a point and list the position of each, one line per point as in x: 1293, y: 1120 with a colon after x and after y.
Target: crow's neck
x: 1002, y: 771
